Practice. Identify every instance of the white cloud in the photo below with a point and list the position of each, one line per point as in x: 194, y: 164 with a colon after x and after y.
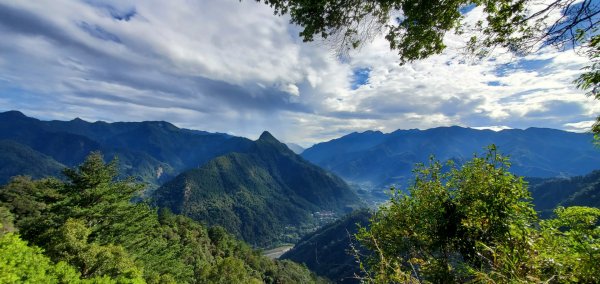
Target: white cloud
x: 233, y: 67
x: 493, y: 127
x: 582, y: 126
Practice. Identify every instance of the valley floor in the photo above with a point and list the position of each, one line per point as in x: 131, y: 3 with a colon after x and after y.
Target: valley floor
x: 277, y: 252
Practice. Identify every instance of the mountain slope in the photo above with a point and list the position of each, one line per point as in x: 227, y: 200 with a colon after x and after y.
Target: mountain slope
x: 328, y: 251
x: 263, y: 194
x: 574, y: 191
x: 88, y: 223
x: 378, y: 159
x: 17, y: 159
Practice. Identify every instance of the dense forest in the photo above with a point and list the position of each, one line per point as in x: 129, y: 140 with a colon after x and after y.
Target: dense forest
x: 86, y: 229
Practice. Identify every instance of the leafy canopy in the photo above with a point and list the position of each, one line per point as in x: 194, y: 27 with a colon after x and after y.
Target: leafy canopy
x: 476, y: 223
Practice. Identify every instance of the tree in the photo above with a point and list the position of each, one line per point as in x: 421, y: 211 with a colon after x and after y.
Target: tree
x: 416, y: 28
x: 88, y: 222
x: 440, y: 231
x: 72, y: 245
x: 476, y: 224
x: 6, y: 221
x: 20, y: 263
x: 590, y: 80
x: 572, y: 242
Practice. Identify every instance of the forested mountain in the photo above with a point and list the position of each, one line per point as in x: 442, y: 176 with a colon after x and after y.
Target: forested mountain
x: 378, y: 160
x: 152, y: 151
x: 18, y: 159
x: 264, y: 194
x: 574, y: 191
x: 329, y: 252
x: 86, y: 230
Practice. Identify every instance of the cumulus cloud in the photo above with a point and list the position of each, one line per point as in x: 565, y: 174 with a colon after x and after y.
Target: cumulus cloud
x: 233, y: 67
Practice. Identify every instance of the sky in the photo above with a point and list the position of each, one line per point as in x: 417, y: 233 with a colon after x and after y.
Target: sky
x: 232, y: 66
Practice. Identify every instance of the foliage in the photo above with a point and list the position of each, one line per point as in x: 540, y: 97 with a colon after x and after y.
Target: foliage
x: 590, y: 79
x: 21, y: 263
x: 29, y: 202
x: 416, y: 28
x: 569, y: 245
x: 6, y: 221
x: 476, y: 223
x: 89, y: 223
x: 71, y: 244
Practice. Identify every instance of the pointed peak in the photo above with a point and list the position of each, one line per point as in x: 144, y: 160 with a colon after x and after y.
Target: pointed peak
x: 266, y: 136
x: 267, y: 139
x: 77, y: 119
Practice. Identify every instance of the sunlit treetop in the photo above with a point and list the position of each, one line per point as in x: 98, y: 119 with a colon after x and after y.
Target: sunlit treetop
x: 416, y: 28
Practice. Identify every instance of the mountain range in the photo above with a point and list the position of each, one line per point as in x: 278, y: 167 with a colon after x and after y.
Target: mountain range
x: 260, y: 191
x: 276, y: 188
x: 376, y: 160
x: 152, y: 151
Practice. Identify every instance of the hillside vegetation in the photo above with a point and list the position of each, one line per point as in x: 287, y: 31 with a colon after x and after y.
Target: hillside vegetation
x: 17, y: 159
x: 469, y: 223
x: 265, y: 195
x: 86, y: 230
x: 574, y: 191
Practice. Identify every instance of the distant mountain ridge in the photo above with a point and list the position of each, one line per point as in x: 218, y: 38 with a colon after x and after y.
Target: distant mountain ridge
x: 154, y: 151
x: 379, y: 159
x: 258, y: 193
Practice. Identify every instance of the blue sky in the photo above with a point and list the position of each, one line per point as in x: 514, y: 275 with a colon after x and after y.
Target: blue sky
x: 230, y: 66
